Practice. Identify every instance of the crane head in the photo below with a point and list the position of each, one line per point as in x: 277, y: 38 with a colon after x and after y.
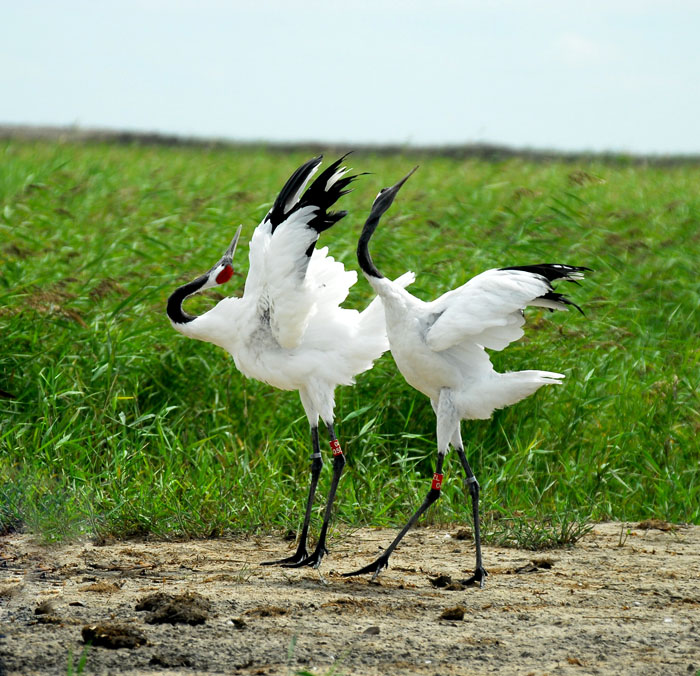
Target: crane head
x: 381, y: 203
x: 223, y: 270
x: 386, y: 196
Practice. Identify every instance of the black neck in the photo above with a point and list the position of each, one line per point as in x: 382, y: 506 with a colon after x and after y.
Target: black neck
x: 363, y: 258
x: 175, y: 312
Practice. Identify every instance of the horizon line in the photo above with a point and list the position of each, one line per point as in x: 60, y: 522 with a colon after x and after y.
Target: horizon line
x: 480, y: 150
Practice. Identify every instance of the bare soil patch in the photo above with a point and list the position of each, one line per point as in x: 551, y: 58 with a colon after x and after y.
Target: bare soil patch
x: 625, y: 600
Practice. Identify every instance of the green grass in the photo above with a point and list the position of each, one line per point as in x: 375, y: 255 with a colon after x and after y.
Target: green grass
x: 122, y: 426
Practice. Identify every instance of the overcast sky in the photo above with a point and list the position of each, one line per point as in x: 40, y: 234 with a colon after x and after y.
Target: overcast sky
x: 569, y: 75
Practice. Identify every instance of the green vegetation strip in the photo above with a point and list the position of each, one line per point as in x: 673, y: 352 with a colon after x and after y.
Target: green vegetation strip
x: 113, y: 424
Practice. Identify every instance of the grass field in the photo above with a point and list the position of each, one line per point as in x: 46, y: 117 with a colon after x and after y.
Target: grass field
x: 112, y: 423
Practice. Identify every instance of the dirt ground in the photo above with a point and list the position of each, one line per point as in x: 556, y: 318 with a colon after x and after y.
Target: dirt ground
x: 624, y: 600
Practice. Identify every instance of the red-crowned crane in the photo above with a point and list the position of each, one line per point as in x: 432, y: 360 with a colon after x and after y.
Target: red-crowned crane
x: 439, y: 347
x: 288, y: 329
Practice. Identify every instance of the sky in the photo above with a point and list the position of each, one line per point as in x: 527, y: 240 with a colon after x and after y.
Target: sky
x: 615, y: 75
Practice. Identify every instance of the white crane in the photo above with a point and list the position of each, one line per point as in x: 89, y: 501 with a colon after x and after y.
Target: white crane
x: 288, y: 329
x: 439, y: 347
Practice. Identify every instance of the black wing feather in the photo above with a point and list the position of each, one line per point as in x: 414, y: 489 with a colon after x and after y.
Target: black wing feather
x: 318, y: 194
x: 553, y: 272
x: 277, y: 214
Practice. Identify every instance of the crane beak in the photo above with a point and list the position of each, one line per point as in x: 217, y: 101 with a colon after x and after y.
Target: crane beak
x: 386, y: 196
x: 228, y: 255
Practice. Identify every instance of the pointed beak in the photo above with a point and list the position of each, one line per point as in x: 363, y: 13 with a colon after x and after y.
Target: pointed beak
x: 386, y: 196
x: 397, y: 187
x: 228, y: 255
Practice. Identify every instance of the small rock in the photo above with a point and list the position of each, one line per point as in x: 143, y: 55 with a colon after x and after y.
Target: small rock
x: 371, y: 631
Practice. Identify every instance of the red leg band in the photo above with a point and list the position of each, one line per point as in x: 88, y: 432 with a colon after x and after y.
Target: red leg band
x: 335, y: 447
x: 437, y: 482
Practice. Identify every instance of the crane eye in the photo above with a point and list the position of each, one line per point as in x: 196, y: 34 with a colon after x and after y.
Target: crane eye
x: 224, y: 275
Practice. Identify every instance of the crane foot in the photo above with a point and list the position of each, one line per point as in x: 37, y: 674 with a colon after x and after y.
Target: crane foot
x: 314, y: 560
x: 375, y: 567
x: 300, y: 555
x: 478, y: 577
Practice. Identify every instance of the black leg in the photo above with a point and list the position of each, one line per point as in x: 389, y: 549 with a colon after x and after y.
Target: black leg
x: 338, y: 465
x: 316, y: 465
x: 479, y: 572
x: 383, y: 561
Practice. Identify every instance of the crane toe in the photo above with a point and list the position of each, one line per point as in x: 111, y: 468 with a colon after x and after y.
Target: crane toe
x: 479, y: 577
x: 300, y: 555
x: 314, y: 560
x: 375, y: 567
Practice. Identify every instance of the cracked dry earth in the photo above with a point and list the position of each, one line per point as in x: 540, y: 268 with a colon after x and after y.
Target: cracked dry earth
x: 624, y: 600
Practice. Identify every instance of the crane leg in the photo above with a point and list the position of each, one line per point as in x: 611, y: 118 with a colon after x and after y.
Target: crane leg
x: 316, y: 466
x: 382, y: 562
x: 479, y: 572
x: 338, y: 464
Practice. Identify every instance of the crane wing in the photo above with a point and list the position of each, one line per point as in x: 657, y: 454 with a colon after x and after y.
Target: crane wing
x: 290, y: 278
x: 488, y: 309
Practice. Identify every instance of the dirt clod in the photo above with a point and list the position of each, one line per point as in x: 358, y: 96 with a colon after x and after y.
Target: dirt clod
x: 440, y: 581
x: 9, y: 591
x: 189, y: 608
x: 535, y: 566
x: 463, y: 534
x: 44, y: 608
x: 656, y: 524
x: 456, y: 613
x: 170, y: 661
x: 153, y: 601
x: 113, y: 635
x: 543, y: 564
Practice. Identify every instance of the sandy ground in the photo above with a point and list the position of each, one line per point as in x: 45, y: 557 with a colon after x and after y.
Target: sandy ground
x: 625, y: 600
